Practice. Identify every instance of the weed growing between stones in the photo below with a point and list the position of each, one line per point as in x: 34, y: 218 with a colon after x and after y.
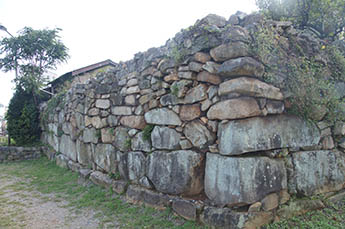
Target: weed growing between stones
x: 147, y: 132
x: 57, y: 100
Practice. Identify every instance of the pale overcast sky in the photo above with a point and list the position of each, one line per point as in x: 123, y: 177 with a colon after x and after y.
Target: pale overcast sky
x: 98, y: 30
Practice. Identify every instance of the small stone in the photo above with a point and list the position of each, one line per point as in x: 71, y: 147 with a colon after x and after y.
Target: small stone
x: 186, y: 75
x: 132, y: 90
x: 102, y: 103
x: 213, y: 19
x: 284, y: 197
x: 196, y: 94
x: 190, y: 112
x: 162, y: 116
x: 93, y: 112
x: 270, y: 202
x: 107, y: 135
x: 121, y: 110
x: 327, y: 143
x: 211, y: 67
x: 132, y: 132
x: 141, y: 144
x: 101, y: 179
x: 171, y: 77
x: 195, y: 67
x: 201, y: 57
x: 185, y: 208
x: 275, y: 107
x: 119, y: 186
x: 165, y: 138
x: 206, y: 104
x: 198, y: 134
x: 144, y: 181
x: 146, y: 98
x: 183, y: 69
x: 132, y: 82
x: 130, y: 100
x: 133, y: 121
x: 255, y: 207
x: 85, y: 173
x: 96, y: 122
x: 185, y: 144
x: 339, y: 128
x: 208, y: 77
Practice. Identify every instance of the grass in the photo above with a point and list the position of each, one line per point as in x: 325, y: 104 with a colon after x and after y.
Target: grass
x: 44, y: 176
x: 331, y: 217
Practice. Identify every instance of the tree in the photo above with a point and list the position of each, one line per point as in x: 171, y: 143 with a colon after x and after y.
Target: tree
x: 31, y: 54
x: 23, y: 118
x: 325, y: 17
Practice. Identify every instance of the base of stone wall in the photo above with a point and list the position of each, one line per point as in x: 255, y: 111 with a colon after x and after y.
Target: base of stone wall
x: 272, y: 208
x: 14, y: 153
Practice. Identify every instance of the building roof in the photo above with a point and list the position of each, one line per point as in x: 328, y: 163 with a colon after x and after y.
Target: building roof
x: 83, y: 70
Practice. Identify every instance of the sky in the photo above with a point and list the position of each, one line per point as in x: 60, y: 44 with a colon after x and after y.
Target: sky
x: 107, y: 29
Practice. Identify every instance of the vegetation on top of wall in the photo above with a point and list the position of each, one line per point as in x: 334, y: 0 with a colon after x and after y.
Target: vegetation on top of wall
x: 57, y: 100
x: 324, y: 17
x: 307, y: 79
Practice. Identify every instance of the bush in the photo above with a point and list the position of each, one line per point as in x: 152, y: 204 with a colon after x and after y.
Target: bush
x: 23, y: 118
x: 307, y: 82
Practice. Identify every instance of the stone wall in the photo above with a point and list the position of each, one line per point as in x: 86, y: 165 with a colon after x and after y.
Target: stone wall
x: 13, y: 153
x: 193, y: 125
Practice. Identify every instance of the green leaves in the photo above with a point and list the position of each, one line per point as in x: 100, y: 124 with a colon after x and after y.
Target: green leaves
x: 23, y: 118
x: 31, y: 54
x: 325, y: 17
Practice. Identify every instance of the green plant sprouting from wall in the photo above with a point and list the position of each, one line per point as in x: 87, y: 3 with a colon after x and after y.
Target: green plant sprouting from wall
x: 57, y: 100
x: 147, y: 132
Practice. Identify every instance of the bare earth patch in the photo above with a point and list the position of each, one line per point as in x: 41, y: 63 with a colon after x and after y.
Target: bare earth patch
x: 21, y: 208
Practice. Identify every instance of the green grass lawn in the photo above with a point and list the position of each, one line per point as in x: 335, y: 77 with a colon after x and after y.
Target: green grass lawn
x: 43, y: 175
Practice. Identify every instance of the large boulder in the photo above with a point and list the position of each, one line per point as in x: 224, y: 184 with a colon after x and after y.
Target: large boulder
x: 314, y: 172
x: 198, y: 134
x: 265, y: 133
x: 104, y: 157
x: 243, y: 66
x: 165, y: 138
x: 229, y: 51
x: 132, y: 166
x: 227, y: 218
x: 177, y: 172
x: 162, y: 116
x: 84, y: 153
x: 234, y: 109
x: 251, y: 87
x: 68, y: 147
x: 241, y: 181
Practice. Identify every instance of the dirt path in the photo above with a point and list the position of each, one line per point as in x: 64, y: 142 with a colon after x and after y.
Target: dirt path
x: 22, y: 208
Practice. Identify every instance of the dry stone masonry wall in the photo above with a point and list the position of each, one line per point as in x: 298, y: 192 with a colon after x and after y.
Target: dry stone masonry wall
x: 12, y: 153
x: 193, y: 125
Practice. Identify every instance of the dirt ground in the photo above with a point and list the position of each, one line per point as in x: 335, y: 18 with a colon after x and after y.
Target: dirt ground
x: 21, y: 208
